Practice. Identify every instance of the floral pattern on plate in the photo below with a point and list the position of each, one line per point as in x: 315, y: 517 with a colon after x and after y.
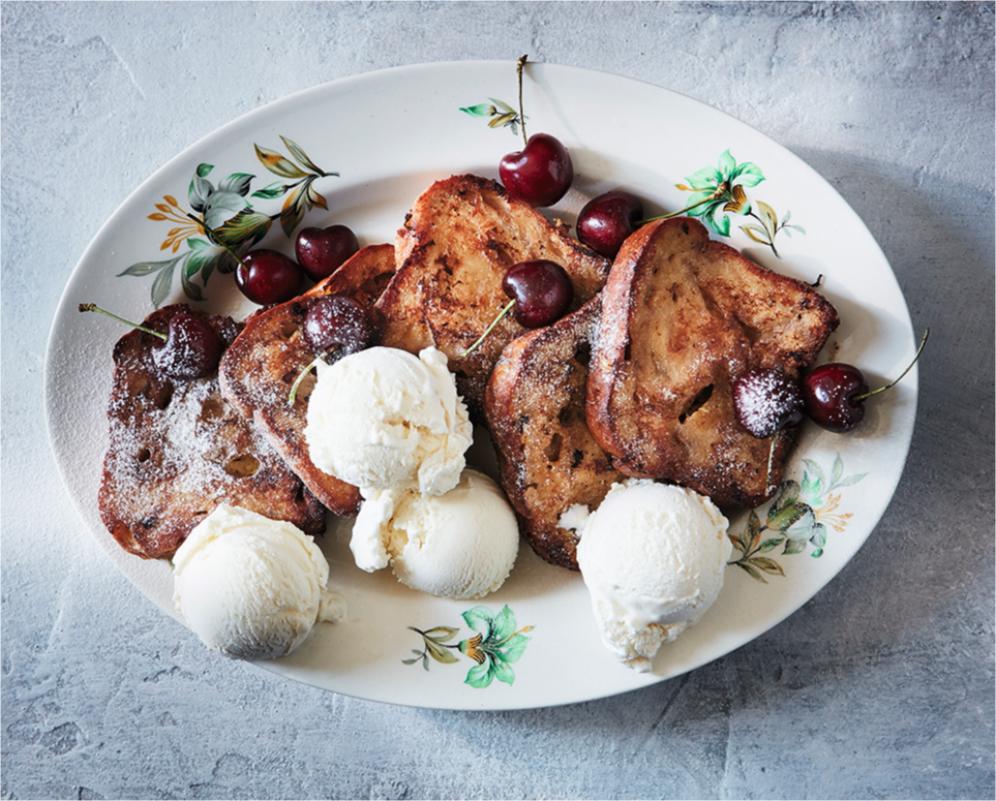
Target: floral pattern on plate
x: 796, y: 519
x: 493, y: 649
x: 221, y: 223
x: 721, y: 190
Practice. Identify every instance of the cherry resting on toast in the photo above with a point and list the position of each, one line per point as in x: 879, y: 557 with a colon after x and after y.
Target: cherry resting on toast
x: 607, y: 220
x: 334, y: 326
x: 266, y: 276
x: 540, y: 173
x: 766, y: 401
x: 541, y: 293
x: 337, y: 323
x: 322, y: 251
x: 835, y: 393
x: 190, y: 349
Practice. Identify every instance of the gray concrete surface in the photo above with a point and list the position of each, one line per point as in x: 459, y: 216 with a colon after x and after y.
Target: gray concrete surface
x: 881, y: 687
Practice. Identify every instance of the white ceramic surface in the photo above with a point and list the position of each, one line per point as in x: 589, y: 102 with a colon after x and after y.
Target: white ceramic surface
x: 388, y: 142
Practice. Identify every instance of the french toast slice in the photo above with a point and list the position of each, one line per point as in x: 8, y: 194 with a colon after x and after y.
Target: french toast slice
x: 682, y: 317
x: 177, y: 450
x: 257, y: 371
x: 535, y: 408
x: 458, y: 241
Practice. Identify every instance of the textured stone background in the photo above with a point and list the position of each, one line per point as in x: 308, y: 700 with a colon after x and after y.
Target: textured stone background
x: 881, y: 686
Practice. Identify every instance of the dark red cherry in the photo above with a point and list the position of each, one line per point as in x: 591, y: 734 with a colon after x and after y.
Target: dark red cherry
x: 835, y: 393
x: 766, y: 401
x: 192, y: 348
x: 337, y: 323
x: 542, y: 292
x: 833, y: 396
x: 606, y: 221
x: 265, y: 276
x: 540, y: 173
x: 321, y: 251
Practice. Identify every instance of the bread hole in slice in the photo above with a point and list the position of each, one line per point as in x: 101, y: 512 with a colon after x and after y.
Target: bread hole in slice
x: 242, y: 466
x: 697, y: 403
x: 163, y: 396
x: 552, y: 451
x: 143, y: 455
x: 582, y: 353
x: 288, y: 328
x: 212, y: 408
x: 376, y: 285
x: 137, y: 383
x: 565, y: 415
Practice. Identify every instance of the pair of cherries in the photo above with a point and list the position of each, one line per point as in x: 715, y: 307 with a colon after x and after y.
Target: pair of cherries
x: 833, y: 396
x: 541, y: 173
x: 267, y: 276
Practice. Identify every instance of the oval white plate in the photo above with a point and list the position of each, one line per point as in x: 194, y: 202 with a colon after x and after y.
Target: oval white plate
x: 389, y: 134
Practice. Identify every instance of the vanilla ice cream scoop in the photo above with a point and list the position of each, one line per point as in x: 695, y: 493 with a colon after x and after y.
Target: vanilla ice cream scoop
x: 383, y: 419
x: 653, y: 557
x: 249, y: 586
x: 459, y: 545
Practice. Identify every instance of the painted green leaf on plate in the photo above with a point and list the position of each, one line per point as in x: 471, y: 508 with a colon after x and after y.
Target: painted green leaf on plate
x: 237, y: 182
x: 277, y: 164
x: 302, y: 158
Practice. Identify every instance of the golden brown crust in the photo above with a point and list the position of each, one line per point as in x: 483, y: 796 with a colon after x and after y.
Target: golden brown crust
x: 460, y: 238
x: 535, y: 411
x: 177, y: 450
x: 258, y: 369
x: 682, y: 317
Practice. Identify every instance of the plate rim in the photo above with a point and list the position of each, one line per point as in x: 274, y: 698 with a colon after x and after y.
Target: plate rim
x: 293, y: 98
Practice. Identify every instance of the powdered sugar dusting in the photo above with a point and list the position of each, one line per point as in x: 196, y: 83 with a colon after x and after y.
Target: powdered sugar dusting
x: 766, y: 401
x: 183, y: 443
x: 176, y: 449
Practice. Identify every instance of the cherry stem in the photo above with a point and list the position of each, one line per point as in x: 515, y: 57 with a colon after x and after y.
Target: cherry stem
x: 891, y: 384
x: 519, y: 66
x: 771, y: 459
x: 501, y: 315
x: 720, y: 190
x: 292, y: 396
x: 200, y: 222
x: 93, y: 307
